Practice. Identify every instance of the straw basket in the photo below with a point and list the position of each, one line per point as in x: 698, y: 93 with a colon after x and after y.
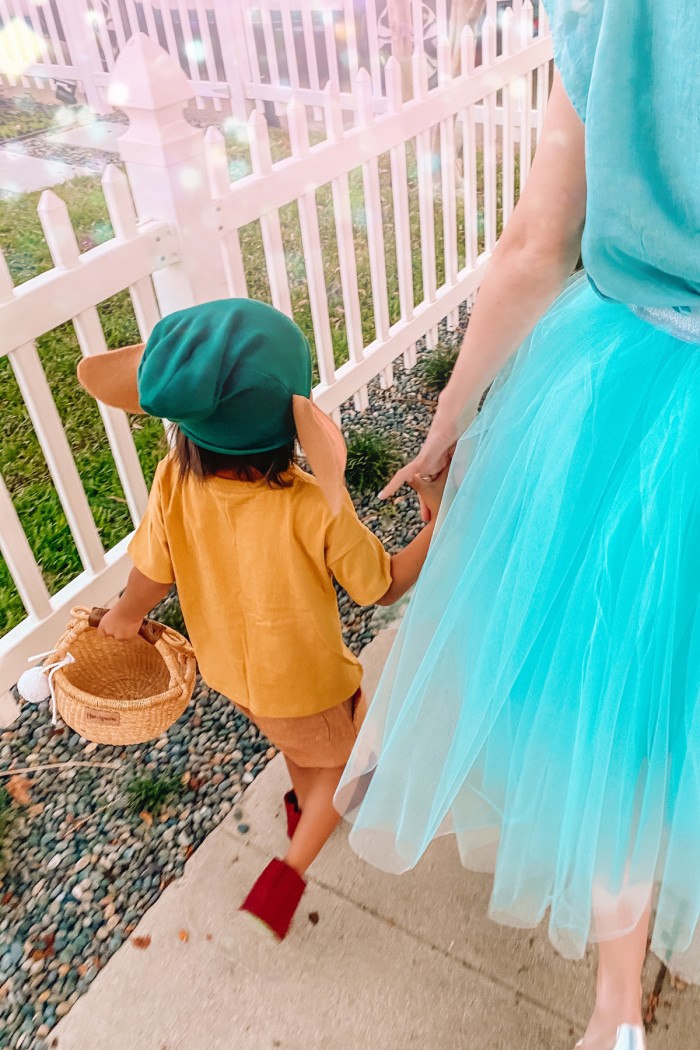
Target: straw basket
x: 119, y: 692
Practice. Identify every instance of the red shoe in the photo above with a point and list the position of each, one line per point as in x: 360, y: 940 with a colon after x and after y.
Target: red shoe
x: 291, y: 806
x: 275, y: 897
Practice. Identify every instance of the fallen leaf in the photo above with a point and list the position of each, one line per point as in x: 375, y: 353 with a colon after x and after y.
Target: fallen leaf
x: 19, y: 787
x: 141, y: 942
x: 313, y: 918
x: 188, y: 852
x: 184, y: 936
x: 36, y: 810
x: 186, y: 777
x: 146, y: 817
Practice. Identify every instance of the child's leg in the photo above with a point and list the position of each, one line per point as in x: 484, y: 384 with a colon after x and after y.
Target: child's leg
x: 299, y: 778
x: 319, y: 817
x: 619, y: 979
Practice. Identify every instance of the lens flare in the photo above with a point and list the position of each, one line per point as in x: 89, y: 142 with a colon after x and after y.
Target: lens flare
x: 20, y: 47
x: 118, y: 93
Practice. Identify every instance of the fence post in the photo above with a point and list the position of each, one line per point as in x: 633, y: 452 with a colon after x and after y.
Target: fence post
x: 84, y: 53
x: 231, y: 31
x: 166, y: 167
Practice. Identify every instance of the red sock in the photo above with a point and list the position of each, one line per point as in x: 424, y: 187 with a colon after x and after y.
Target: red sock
x: 275, y: 897
x: 291, y: 806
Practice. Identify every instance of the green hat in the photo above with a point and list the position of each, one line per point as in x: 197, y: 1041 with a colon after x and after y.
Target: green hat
x: 235, y: 375
x: 226, y: 373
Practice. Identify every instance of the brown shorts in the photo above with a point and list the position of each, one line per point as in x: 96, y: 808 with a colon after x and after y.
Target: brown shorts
x: 321, y: 741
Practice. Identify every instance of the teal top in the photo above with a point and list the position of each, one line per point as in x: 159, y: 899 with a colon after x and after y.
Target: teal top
x: 632, y: 71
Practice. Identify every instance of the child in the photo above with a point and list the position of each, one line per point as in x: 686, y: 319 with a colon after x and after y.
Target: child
x: 253, y: 544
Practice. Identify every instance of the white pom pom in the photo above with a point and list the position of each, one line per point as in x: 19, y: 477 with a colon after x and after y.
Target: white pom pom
x: 33, y: 686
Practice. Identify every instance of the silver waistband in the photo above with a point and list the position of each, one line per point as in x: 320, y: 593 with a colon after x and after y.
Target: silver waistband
x: 685, y: 326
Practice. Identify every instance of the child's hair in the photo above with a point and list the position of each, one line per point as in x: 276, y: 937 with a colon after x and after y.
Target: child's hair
x: 202, y: 463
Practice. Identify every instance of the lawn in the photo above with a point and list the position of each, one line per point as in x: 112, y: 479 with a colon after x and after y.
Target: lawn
x: 21, y: 461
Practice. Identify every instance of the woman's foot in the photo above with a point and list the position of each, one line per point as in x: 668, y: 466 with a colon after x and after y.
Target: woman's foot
x: 626, y: 1037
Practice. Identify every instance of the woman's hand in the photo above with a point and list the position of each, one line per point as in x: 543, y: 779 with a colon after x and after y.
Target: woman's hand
x: 430, y: 493
x: 433, y: 459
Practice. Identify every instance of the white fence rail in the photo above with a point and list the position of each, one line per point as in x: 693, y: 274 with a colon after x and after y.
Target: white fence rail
x: 234, y: 52
x: 378, y: 232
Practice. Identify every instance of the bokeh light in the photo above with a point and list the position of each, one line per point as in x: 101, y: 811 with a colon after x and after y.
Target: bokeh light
x: 20, y: 47
x: 190, y: 179
x: 118, y: 93
x: 195, y: 50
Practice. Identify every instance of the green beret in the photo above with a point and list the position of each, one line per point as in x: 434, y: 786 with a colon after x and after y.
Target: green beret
x: 226, y: 373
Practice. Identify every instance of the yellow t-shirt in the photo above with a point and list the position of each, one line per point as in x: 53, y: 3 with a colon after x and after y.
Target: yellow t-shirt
x: 254, y: 567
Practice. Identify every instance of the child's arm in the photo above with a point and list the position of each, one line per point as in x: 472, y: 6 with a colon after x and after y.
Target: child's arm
x: 407, y: 564
x: 124, y: 619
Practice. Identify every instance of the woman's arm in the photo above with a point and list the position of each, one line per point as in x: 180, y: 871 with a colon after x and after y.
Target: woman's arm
x: 532, y: 261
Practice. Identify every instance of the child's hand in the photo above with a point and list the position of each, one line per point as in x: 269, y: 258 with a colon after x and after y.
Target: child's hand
x: 430, y: 493
x: 114, y: 624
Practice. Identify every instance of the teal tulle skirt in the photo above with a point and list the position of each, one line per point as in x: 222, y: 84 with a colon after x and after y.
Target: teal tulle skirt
x: 541, y: 702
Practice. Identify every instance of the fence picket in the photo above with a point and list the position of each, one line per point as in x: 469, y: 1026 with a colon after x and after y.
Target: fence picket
x: 350, y: 35
x: 63, y: 246
x: 290, y: 47
x: 373, y: 49
x: 19, y: 558
x: 469, y: 166
x: 488, y: 58
x: 206, y: 50
x: 310, y: 46
x: 526, y: 25
x: 313, y: 252
x: 219, y: 183
x: 328, y: 16
x: 426, y: 193
x: 103, y: 43
x: 57, y: 46
x: 132, y: 18
x: 263, y: 11
x: 271, y: 229
x: 342, y: 214
x: 29, y: 16
x: 402, y: 215
x: 508, y: 151
x: 448, y: 182
x: 375, y: 225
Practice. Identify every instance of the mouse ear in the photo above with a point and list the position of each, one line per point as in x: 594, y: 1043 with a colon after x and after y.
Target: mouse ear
x: 324, y: 448
x: 112, y: 377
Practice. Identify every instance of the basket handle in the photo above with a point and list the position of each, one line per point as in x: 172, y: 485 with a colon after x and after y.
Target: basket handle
x: 150, y: 630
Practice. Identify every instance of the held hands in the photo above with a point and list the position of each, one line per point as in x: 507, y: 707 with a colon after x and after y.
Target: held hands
x: 430, y: 493
x: 431, y: 463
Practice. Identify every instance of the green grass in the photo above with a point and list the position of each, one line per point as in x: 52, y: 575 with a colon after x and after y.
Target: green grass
x: 437, y: 365
x: 22, y: 464
x: 150, y: 794
x: 23, y: 115
x: 372, y: 459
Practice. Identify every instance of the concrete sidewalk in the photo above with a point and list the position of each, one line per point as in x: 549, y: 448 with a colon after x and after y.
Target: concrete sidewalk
x: 373, y: 961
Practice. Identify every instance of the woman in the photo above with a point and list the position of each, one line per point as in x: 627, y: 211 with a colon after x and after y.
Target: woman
x: 541, y: 699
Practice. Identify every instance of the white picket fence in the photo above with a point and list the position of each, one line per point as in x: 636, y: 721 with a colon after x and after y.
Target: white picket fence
x: 234, y: 52
x: 179, y: 223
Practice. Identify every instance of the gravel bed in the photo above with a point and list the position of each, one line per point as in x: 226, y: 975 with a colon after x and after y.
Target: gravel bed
x: 42, y: 144
x: 80, y: 870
